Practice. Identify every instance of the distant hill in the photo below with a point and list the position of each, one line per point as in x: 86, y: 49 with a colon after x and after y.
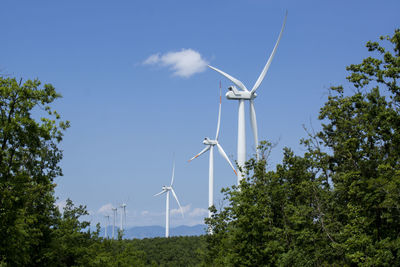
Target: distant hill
x: 157, y: 231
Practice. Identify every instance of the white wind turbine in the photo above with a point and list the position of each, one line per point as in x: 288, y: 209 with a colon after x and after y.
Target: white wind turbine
x: 115, y: 215
x: 245, y: 94
x: 167, y: 189
x: 210, y: 147
x: 123, y: 216
x: 108, y: 222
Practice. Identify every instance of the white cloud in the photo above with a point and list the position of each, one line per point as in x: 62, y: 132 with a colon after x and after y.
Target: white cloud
x: 105, y: 209
x: 185, y: 209
x: 192, y: 216
x: 153, y: 59
x: 198, y: 212
x: 184, y: 63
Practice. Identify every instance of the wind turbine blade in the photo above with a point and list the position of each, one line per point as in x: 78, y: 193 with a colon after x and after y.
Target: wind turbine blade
x: 160, y: 193
x: 201, y: 152
x: 234, y: 80
x: 219, y: 115
x: 253, y: 121
x: 223, y: 154
x: 179, y: 204
x: 266, y: 67
x: 173, y: 173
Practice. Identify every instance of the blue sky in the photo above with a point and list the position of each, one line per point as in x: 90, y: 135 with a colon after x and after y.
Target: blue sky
x: 128, y: 118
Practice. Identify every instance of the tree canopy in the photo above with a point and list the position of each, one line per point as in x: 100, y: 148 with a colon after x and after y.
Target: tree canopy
x: 29, y: 162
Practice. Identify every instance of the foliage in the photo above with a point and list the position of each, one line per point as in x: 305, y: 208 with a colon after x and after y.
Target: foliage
x: 29, y: 159
x: 363, y: 131
x: 172, y: 251
x: 73, y: 244
x: 68, y: 241
x: 271, y: 220
x: 339, y: 203
x: 32, y: 230
x: 106, y: 252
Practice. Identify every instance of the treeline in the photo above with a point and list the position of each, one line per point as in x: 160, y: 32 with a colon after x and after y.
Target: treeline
x: 73, y: 246
x: 172, y: 251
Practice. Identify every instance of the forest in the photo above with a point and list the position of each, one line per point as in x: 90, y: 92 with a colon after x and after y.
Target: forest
x: 338, y: 204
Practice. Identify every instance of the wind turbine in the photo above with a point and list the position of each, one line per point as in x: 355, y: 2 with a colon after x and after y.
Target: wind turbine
x: 210, y: 147
x: 115, y: 215
x: 167, y: 189
x: 108, y: 222
x: 123, y: 215
x: 245, y: 94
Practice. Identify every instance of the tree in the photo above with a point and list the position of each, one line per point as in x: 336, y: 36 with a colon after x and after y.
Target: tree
x: 73, y: 244
x: 339, y: 203
x: 363, y: 133
x: 29, y: 159
x: 69, y: 242
x: 271, y: 219
x: 33, y: 232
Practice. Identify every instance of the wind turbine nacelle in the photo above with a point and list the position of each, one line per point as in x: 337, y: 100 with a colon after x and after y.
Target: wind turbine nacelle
x: 208, y: 141
x: 234, y: 93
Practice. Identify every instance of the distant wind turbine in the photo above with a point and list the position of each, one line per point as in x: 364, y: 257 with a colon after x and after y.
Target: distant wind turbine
x: 123, y: 215
x: 107, y: 223
x: 244, y: 94
x: 167, y: 189
x: 115, y: 215
x: 210, y: 147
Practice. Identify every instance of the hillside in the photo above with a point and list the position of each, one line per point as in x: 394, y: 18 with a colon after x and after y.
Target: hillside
x: 173, y: 251
x: 157, y: 231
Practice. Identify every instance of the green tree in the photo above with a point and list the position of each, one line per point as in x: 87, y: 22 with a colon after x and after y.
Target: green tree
x: 363, y: 132
x: 271, y: 219
x: 69, y: 242
x: 29, y: 158
x: 33, y: 232
x: 339, y: 203
x: 73, y: 244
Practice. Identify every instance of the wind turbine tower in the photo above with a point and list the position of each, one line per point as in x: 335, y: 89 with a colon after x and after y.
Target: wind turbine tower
x: 107, y: 223
x: 210, y: 147
x: 241, y: 96
x: 123, y: 216
x: 115, y: 215
x: 167, y: 189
